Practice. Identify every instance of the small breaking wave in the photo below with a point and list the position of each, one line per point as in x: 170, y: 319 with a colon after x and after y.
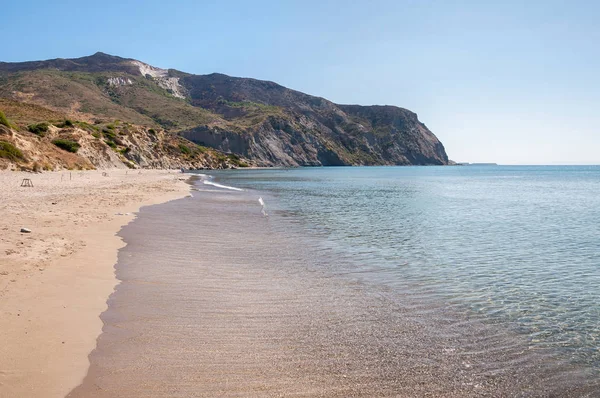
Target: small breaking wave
x: 207, y: 180
x: 214, y: 184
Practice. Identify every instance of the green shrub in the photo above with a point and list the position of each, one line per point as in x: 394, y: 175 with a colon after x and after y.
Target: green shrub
x: 10, y: 152
x: 109, y: 134
x: 111, y: 144
x: 66, y: 123
x: 235, y: 159
x: 125, y: 150
x: 185, y: 150
x: 67, y: 145
x: 4, y: 121
x: 38, y: 129
x: 220, y: 157
x: 96, y: 135
x: 152, y: 131
x: 86, y: 126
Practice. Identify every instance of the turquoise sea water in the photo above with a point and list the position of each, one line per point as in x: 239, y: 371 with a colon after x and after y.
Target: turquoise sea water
x: 517, y: 246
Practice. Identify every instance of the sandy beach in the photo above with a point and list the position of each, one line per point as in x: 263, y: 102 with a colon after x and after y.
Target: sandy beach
x: 207, y: 297
x: 55, y: 280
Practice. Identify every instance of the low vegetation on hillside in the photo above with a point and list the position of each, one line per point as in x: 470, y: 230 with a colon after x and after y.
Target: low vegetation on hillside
x: 4, y: 121
x: 39, y: 128
x: 10, y: 152
x: 61, y: 142
x: 67, y: 145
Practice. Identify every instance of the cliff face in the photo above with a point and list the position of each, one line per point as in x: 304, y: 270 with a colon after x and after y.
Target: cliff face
x: 305, y: 130
x: 398, y: 134
x: 258, y: 120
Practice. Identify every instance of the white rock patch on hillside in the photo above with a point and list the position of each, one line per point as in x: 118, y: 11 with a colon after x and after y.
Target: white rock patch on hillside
x: 119, y: 81
x: 162, y: 78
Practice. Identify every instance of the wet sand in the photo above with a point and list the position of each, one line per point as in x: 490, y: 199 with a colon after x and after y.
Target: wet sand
x: 54, y: 281
x: 217, y: 300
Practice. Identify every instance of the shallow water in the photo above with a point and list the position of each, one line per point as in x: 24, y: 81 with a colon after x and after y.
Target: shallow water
x: 361, y: 282
x: 515, y: 245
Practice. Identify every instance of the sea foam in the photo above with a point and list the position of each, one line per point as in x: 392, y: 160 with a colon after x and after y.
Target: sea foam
x: 214, y: 184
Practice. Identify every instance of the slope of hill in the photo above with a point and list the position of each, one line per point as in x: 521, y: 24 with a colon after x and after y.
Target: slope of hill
x: 61, y: 143
x: 254, y: 119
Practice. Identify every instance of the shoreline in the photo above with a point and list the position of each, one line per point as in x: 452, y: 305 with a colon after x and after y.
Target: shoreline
x: 280, y: 316
x: 55, y: 281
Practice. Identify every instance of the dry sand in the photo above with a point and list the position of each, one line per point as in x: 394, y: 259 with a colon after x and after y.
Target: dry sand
x: 54, y: 281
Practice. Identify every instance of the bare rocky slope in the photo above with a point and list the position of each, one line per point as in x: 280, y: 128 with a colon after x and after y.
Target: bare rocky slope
x: 137, y: 148
x: 64, y: 144
x: 261, y: 122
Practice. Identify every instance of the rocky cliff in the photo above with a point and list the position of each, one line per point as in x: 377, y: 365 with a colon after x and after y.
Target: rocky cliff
x: 259, y: 120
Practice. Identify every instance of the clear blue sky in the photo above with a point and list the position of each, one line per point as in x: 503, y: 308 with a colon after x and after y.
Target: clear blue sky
x: 499, y: 81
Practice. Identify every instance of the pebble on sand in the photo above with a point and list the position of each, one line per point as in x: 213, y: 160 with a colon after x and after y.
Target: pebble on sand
x: 25, y: 230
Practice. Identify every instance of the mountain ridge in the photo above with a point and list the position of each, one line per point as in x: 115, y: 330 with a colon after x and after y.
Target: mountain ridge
x: 260, y: 120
